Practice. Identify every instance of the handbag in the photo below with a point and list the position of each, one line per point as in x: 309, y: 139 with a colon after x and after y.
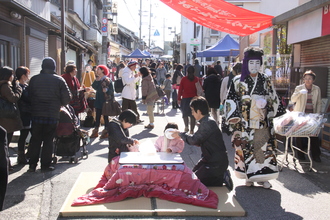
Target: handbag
x: 199, y: 88
x: 111, y: 108
x: 8, y: 109
x: 78, y: 101
x: 160, y: 92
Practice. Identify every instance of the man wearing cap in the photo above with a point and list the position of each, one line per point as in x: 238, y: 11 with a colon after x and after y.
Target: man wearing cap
x: 47, y: 92
x: 130, y: 77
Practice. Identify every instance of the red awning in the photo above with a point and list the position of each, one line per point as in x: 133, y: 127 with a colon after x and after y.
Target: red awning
x: 221, y: 16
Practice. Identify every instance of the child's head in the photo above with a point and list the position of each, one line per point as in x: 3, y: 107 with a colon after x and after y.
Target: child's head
x: 128, y: 116
x: 171, y: 125
x: 290, y: 107
x: 168, y: 76
x: 200, y: 103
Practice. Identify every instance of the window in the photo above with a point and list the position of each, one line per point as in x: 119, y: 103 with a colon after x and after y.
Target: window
x: 15, y: 56
x: 3, y: 53
x: 208, y: 58
x: 10, y: 54
x: 214, y: 33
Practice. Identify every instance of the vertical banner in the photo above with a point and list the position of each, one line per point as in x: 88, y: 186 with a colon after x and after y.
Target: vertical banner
x: 326, y: 20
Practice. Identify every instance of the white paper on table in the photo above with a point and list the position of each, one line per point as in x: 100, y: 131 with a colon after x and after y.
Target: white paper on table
x: 147, y: 147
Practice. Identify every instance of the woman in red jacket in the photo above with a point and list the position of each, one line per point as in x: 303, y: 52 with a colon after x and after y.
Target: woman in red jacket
x: 78, y: 102
x: 187, y: 91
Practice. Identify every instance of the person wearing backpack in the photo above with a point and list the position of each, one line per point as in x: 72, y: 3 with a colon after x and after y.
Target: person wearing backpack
x: 119, y: 86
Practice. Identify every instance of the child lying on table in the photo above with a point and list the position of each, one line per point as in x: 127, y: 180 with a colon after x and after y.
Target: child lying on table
x: 173, y: 145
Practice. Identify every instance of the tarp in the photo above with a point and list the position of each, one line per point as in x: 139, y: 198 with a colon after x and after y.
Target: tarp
x: 227, y: 46
x: 136, y: 54
x: 221, y: 16
x: 146, y: 53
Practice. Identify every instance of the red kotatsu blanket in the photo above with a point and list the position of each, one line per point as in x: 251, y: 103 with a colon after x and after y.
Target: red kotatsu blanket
x: 173, y: 182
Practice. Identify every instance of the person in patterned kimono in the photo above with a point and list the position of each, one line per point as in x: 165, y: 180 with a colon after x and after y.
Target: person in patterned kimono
x: 250, y: 107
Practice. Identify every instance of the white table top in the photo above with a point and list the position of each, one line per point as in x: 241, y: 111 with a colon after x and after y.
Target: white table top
x: 141, y: 158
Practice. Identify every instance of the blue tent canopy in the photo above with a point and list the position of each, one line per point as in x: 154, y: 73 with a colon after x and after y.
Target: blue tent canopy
x: 227, y: 46
x: 136, y: 54
x: 146, y: 52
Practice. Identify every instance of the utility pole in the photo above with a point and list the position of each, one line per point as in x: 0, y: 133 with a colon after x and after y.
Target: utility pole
x: 140, y: 40
x: 105, y: 26
x: 62, y: 35
x: 164, y: 33
x: 150, y: 24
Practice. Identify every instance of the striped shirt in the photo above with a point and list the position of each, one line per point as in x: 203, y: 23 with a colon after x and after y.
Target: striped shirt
x: 309, y: 103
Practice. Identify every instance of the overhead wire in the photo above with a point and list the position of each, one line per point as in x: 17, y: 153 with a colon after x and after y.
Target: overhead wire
x: 134, y: 19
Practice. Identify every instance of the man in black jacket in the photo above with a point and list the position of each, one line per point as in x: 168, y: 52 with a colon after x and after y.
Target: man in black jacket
x: 211, y: 169
x: 48, y: 92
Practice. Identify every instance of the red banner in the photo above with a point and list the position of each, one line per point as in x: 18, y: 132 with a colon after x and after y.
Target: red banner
x: 221, y: 16
x: 326, y: 20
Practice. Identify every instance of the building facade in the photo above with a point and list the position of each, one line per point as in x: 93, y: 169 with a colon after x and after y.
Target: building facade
x: 31, y: 31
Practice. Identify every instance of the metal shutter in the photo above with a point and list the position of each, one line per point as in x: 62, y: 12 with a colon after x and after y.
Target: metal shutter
x: 36, y: 54
x: 315, y: 52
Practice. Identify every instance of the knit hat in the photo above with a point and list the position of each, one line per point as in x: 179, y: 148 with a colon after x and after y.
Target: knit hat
x: 104, y: 68
x: 132, y: 63
x: 48, y: 63
x: 250, y: 53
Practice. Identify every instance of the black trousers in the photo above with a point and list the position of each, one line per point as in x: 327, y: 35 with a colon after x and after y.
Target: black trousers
x: 130, y: 104
x: 42, y: 134
x: 98, y: 118
x: 22, y: 139
x: 211, y: 175
x: 4, y: 163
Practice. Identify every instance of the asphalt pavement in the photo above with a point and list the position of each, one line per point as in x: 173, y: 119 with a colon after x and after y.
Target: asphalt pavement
x: 296, y: 193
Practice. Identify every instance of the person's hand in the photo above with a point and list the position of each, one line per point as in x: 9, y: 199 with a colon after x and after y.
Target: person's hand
x: 234, y: 120
x: 144, y: 101
x: 168, y: 150
x: 179, y: 102
x: 175, y: 133
x: 303, y: 91
x: 105, y: 89
x: 136, y: 142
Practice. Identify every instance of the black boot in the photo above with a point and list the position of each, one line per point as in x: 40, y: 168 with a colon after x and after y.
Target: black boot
x: 174, y: 105
x: 21, y: 158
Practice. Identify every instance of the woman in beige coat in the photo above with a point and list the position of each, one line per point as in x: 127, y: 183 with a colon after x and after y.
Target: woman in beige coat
x: 149, y: 94
x: 307, y: 98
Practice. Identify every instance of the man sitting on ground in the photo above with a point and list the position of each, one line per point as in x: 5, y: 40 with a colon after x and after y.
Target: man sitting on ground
x: 211, y: 169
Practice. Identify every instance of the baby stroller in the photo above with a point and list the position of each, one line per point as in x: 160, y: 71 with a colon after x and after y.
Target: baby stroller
x: 69, y: 138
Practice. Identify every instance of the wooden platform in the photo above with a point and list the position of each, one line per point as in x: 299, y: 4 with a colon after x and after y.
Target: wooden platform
x: 228, y: 205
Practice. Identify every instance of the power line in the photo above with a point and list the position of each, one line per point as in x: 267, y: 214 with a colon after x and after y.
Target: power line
x: 134, y: 19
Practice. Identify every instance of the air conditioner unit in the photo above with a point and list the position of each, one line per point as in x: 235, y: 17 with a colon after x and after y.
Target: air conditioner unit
x: 95, y: 21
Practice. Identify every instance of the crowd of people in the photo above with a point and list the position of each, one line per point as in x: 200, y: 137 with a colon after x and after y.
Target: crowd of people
x: 245, y: 96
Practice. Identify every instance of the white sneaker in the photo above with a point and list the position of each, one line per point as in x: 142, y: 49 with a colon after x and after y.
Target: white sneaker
x: 266, y: 184
x: 248, y: 183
